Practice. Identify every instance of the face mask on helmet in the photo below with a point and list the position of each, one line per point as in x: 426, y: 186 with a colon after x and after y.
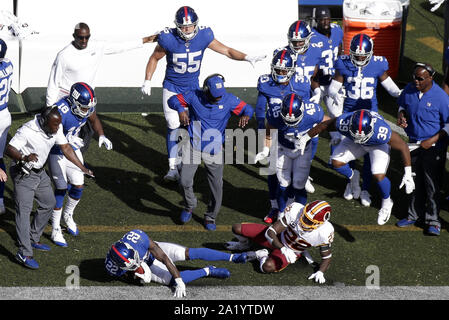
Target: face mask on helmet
x: 298, y: 36
x: 124, y: 256
x: 83, y: 99
x: 314, y: 214
x: 292, y: 110
x: 283, y: 66
x: 361, y: 126
x: 186, y: 21
x: 361, y: 50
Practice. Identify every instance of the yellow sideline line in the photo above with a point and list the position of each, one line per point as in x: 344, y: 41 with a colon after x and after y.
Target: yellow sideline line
x: 220, y: 228
x: 432, y: 42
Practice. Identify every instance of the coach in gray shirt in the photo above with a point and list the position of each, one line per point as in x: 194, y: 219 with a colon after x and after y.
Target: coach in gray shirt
x: 29, y: 149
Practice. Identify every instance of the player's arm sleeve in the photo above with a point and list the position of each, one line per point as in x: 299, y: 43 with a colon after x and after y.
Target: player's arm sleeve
x: 178, y: 102
x: 243, y: 109
x: 54, y: 80
x: 391, y: 87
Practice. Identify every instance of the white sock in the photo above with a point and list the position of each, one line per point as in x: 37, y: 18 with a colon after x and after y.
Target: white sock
x: 385, y: 201
x: 70, y: 206
x: 172, y: 163
x: 56, y: 218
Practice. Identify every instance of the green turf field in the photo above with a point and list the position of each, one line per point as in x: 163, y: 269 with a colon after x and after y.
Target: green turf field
x: 129, y: 192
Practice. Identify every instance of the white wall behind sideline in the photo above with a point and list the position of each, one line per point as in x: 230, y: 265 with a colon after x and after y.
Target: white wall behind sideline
x: 248, y: 26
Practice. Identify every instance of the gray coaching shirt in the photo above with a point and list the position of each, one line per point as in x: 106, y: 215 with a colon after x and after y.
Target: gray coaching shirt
x: 30, y: 138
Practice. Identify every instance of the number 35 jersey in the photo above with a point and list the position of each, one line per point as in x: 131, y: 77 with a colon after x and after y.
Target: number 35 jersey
x: 382, y: 131
x: 183, y: 58
x: 361, y: 88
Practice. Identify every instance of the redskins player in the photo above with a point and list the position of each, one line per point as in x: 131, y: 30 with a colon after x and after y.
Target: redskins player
x: 300, y: 228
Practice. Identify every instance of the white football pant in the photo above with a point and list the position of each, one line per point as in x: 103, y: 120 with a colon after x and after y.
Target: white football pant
x: 292, y: 165
x: 62, y: 170
x: 171, y: 116
x: 159, y: 272
x: 379, y: 155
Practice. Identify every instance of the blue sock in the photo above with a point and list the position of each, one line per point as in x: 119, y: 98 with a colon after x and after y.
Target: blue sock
x: 190, y: 275
x: 290, y: 192
x: 272, y: 186
x: 314, y: 147
x: 300, y: 196
x: 2, y: 184
x: 172, y: 143
x: 59, y: 196
x: 282, y: 198
x: 384, y: 187
x: 208, y: 254
x: 366, y: 173
x: 345, y: 170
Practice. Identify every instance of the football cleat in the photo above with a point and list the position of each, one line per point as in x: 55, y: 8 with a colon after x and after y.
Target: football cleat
x: 239, y: 257
x: 237, y: 245
x: 40, y: 246
x: 218, y: 272
x: 186, y: 216
x: 28, y: 262
x: 172, y: 175
x: 365, y: 198
x: 433, y: 230
x: 348, y: 192
x: 271, y: 216
x: 309, y: 186
x: 71, y: 225
x: 355, y: 184
x: 58, y: 238
x: 405, y: 223
x: 385, y: 211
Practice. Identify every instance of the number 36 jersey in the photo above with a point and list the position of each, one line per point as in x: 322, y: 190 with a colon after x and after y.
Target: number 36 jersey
x: 295, y: 238
x: 382, y: 131
x: 183, y: 58
x: 361, y: 87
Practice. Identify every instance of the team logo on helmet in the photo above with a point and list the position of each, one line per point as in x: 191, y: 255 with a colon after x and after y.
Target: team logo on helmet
x: 283, y: 66
x: 361, y: 50
x: 299, y: 35
x: 314, y: 214
x: 124, y: 256
x: 82, y: 98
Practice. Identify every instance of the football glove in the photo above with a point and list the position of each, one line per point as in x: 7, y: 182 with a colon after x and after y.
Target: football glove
x: 262, y: 155
x: 75, y: 141
x: 289, y: 254
x: 146, y: 87
x: 407, y: 180
x: 146, y: 275
x: 436, y: 4
x: 301, y: 143
x: 254, y: 59
x: 318, y: 277
x: 316, y: 96
x: 103, y: 140
x: 180, y: 289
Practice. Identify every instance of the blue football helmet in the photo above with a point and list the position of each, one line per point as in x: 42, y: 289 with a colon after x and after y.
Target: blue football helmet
x: 124, y: 256
x: 361, y: 126
x: 299, y: 35
x: 3, y: 48
x: 185, y: 17
x: 82, y: 98
x: 361, y: 50
x: 292, y: 110
x: 283, y: 66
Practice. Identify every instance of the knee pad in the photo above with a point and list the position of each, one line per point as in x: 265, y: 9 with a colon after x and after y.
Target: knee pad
x: 75, y: 193
x: 59, y: 196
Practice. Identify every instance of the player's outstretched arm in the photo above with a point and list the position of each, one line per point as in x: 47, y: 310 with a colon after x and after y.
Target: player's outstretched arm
x: 234, y: 54
x: 157, y: 55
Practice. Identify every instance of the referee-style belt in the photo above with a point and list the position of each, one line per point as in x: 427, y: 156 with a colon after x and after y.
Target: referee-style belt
x: 37, y: 170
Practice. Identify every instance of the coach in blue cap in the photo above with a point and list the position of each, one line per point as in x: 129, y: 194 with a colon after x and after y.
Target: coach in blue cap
x: 424, y: 115
x: 205, y: 114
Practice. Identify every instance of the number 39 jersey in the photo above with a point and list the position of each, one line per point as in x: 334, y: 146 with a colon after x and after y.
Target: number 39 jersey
x: 295, y: 238
x: 382, y: 131
x: 361, y: 87
x: 183, y: 58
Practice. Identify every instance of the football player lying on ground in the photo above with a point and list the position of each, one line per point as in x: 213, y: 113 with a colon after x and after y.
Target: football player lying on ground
x: 137, y: 255
x: 300, y: 228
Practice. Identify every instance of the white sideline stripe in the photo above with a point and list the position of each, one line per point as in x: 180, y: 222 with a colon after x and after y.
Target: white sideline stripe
x: 157, y: 292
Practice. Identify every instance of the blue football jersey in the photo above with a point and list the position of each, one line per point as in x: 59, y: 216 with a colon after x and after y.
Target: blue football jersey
x: 287, y: 136
x: 329, y: 57
x: 183, y: 58
x: 140, y: 242
x: 306, y: 62
x: 6, y: 71
x: 382, y: 131
x: 361, y: 89
x: 271, y: 93
x: 71, y: 124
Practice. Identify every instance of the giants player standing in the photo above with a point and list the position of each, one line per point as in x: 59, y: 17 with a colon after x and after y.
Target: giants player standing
x: 183, y: 47
x: 302, y: 227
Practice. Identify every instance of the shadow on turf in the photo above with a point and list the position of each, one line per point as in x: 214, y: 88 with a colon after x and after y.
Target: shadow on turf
x: 94, y: 270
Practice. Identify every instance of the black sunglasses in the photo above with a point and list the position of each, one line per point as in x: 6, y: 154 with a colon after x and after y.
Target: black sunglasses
x: 82, y: 37
x: 419, y: 78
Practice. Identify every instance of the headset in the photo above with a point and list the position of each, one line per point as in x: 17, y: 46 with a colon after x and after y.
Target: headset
x: 427, y: 67
x: 206, y: 88
x: 44, y: 118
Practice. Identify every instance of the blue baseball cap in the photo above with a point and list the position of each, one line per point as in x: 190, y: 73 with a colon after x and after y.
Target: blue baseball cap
x: 216, y: 86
